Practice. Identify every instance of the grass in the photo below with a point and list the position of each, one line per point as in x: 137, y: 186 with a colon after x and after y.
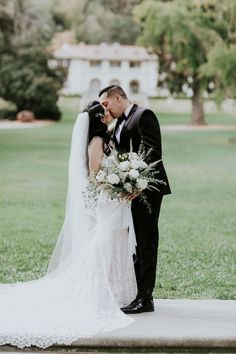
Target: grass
x: 185, y: 118
x: 197, y: 256
x: 197, y: 225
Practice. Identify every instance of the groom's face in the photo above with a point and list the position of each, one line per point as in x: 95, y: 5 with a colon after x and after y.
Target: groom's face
x: 113, y: 104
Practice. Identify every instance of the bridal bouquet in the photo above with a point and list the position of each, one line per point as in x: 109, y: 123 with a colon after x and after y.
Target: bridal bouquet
x: 122, y: 175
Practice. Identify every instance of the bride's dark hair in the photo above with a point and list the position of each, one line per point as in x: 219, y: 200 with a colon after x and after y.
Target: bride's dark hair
x: 96, y: 127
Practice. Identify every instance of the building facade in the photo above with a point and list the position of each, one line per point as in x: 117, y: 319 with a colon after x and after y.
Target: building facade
x: 92, y: 67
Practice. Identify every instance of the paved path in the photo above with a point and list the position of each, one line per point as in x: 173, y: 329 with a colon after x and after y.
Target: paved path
x: 177, y: 326
x: 189, y: 127
x: 7, y: 124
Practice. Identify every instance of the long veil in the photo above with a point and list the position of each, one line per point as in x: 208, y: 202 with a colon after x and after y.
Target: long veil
x: 78, y: 222
x: 77, y: 297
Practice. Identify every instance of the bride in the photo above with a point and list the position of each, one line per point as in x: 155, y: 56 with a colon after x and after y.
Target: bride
x: 90, y: 273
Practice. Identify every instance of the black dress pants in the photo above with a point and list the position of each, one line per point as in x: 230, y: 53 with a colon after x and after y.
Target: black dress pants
x: 147, y: 236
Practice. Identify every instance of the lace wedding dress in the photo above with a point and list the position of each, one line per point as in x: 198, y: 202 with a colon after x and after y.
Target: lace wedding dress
x: 90, y: 274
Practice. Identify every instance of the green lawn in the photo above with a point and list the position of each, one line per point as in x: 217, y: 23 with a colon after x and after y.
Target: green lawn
x: 185, y: 118
x: 197, y: 225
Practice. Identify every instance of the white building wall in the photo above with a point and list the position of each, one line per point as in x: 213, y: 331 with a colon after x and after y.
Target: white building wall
x: 152, y: 77
x: 81, y: 74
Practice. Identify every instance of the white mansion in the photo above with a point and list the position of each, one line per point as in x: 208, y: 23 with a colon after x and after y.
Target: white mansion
x: 92, y: 67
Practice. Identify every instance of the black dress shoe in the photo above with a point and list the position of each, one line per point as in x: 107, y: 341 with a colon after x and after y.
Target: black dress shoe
x: 140, y: 305
x: 132, y: 304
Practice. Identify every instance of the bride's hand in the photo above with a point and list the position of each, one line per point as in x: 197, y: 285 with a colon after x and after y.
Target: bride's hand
x: 129, y: 197
x: 133, y: 196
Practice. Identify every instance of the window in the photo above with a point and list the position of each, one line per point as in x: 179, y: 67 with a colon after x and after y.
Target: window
x: 134, y: 64
x: 60, y: 62
x: 134, y: 86
x: 95, y: 63
x: 115, y: 63
x: 115, y: 82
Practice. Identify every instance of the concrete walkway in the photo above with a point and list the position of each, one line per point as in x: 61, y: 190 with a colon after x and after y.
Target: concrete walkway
x: 202, y: 128
x: 7, y: 124
x: 176, y: 326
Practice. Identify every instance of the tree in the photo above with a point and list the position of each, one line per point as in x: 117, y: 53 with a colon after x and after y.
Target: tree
x: 186, y: 35
x: 221, y: 60
x: 6, y: 30
x: 26, y: 79
x: 95, y: 21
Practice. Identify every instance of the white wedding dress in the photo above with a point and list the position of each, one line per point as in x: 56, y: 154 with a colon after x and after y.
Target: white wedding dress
x: 90, y: 274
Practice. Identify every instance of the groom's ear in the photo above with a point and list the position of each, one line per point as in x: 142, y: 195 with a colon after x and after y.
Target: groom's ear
x: 118, y: 97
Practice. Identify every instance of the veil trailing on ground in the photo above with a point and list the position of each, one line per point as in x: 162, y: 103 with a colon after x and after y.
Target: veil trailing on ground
x: 90, y: 274
x: 77, y: 223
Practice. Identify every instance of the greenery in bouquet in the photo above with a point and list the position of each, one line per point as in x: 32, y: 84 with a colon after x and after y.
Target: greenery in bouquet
x: 123, y: 175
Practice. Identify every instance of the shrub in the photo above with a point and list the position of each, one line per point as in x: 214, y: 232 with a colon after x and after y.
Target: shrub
x: 27, y: 81
x: 8, y: 114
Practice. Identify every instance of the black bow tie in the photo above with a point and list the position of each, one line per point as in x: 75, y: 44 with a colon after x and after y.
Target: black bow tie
x: 121, y: 119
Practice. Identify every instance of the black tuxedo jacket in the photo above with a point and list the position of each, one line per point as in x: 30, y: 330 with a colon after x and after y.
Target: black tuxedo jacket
x: 143, y: 125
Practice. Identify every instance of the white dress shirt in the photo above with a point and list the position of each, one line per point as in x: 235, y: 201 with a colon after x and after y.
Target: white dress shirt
x: 118, y: 131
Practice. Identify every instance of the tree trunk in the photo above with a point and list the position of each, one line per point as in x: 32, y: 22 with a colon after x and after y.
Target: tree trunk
x: 198, y: 117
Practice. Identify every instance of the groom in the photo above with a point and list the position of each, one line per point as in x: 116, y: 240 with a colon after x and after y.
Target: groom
x: 140, y: 124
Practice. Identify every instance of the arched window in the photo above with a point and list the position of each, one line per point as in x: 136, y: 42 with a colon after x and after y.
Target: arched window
x: 95, y: 85
x: 134, y: 86
x: 115, y: 82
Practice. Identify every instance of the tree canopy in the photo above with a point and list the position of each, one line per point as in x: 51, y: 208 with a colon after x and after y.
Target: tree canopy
x: 195, y: 43
x: 26, y: 79
x: 195, y: 40
x: 95, y: 21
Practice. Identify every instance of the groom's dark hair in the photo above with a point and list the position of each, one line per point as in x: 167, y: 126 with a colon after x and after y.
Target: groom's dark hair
x: 113, y: 90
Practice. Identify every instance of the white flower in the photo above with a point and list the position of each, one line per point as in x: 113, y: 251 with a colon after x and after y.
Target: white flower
x: 109, y: 161
x: 143, y: 165
x: 133, y: 156
x: 113, y: 178
x: 128, y: 187
x: 123, y: 175
x: 133, y: 173
x: 112, y: 159
x: 135, y: 164
x: 100, y: 176
x: 141, y: 183
x: 124, y: 165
